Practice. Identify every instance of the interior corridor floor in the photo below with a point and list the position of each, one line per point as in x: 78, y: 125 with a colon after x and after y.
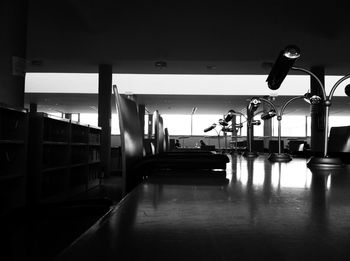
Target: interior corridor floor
x: 42, y: 233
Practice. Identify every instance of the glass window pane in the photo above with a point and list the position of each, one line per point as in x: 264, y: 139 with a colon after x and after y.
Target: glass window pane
x: 203, y: 121
x: 115, y: 124
x: 339, y: 121
x: 75, y: 116
x: 292, y: 126
x: 89, y: 118
x: 177, y: 124
x: 258, y: 129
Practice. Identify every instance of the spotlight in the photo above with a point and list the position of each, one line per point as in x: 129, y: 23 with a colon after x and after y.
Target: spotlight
x: 281, y: 67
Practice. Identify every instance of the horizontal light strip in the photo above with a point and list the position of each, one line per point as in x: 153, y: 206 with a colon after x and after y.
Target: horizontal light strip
x: 172, y: 84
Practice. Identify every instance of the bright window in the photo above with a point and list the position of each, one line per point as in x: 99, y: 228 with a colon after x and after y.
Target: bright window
x: 292, y: 126
x: 339, y: 121
x: 258, y: 129
x: 177, y: 124
x: 89, y: 118
x: 203, y: 121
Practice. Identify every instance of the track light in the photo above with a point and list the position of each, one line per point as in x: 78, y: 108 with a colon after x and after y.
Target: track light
x: 210, y: 127
x: 281, y: 67
x: 268, y: 115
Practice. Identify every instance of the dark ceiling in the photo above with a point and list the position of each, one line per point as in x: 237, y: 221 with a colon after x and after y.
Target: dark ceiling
x: 194, y: 37
x: 234, y: 37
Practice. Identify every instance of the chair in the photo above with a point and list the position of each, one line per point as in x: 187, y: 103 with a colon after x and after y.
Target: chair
x: 339, y: 143
x: 131, y: 136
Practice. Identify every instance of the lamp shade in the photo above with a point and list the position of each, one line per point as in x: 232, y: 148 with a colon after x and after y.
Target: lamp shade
x: 230, y: 115
x: 281, y: 67
x: 210, y: 127
x: 347, y: 90
x: 268, y: 115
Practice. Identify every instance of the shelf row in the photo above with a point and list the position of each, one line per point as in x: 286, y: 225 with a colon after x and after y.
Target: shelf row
x: 44, y: 158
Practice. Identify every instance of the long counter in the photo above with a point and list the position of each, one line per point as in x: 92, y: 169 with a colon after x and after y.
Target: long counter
x: 261, y: 211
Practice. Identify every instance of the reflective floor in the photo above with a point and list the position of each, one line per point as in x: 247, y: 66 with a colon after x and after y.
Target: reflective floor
x: 262, y: 211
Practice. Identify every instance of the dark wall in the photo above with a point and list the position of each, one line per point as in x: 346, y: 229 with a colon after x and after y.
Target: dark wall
x: 13, y: 20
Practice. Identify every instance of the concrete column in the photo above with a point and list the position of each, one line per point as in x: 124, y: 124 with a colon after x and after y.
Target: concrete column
x: 13, y: 27
x: 317, y: 113
x: 104, y: 114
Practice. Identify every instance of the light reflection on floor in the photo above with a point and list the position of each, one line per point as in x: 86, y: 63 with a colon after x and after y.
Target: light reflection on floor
x: 295, y: 175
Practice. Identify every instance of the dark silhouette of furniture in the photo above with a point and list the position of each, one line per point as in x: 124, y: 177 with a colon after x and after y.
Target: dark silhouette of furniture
x: 273, y: 146
x: 137, y: 167
x: 339, y: 143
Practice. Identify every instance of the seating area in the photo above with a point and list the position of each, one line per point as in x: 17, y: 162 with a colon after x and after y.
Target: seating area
x: 137, y: 167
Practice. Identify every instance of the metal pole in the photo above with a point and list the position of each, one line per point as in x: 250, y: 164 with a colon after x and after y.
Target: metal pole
x: 279, y: 134
x: 325, y: 151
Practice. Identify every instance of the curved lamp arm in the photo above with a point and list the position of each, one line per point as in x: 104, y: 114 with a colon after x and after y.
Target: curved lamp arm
x: 269, y: 102
x: 336, y: 85
x: 327, y: 102
x: 315, y: 77
x: 288, y: 102
x: 241, y: 114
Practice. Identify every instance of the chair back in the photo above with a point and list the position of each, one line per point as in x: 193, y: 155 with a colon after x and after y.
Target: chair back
x: 339, y: 139
x: 166, y: 139
x: 159, y: 139
x: 131, y: 138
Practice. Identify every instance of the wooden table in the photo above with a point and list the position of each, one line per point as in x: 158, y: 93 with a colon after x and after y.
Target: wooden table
x: 265, y: 211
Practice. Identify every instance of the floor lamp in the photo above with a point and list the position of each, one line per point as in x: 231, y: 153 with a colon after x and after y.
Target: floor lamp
x: 251, y: 108
x: 279, y: 71
x: 281, y: 156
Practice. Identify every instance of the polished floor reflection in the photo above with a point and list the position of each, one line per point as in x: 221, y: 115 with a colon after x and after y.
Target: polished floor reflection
x: 275, y: 211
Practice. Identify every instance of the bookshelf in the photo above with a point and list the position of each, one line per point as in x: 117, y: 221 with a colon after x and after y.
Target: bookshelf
x: 13, y: 157
x: 60, y: 157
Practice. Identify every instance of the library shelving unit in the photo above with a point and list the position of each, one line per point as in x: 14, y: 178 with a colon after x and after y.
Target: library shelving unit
x: 60, y: 162
x: 13, y: 157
